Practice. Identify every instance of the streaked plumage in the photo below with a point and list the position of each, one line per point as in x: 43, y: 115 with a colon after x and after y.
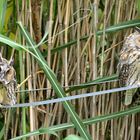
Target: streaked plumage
x: 129, y: 64
x: 7, y: 82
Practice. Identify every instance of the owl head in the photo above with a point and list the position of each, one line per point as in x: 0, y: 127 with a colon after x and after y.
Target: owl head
x: 137, y: 37
x: 7, y: 81
x: 7, y: 72
x: 132, y: 42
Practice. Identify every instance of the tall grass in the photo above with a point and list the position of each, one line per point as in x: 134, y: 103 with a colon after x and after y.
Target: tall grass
x: 81, y: 45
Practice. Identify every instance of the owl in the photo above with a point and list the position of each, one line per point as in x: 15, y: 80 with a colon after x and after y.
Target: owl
x: 129, y: 64
x: 8, y: 82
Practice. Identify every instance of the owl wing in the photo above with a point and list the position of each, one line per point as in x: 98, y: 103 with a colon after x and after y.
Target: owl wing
x: 123, y: 78
x: 127, y: 75
x: 123, y: 70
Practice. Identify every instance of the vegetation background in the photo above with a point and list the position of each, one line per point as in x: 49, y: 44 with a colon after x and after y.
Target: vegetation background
x: 82, y: 41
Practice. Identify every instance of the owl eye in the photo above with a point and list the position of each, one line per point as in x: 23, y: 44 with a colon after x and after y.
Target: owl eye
x: 138, y: 42
x: 9, y: 72
x: 9, y: 75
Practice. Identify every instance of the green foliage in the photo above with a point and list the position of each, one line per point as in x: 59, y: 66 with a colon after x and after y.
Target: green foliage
x: 58, y: 89
x: 138, y: 6
x: 3, y: 7
x: 111, y: 29
x: 38, y: 132
x: 73, y: 137
x: 2, y: 132
x: 89, y: 121
x: 50, y: 75
x: 93, y: 83
x: 9, y: 33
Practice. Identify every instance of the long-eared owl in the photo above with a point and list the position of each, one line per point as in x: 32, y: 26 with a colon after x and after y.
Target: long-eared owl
x: 129, y: 64
x: 8, y: 82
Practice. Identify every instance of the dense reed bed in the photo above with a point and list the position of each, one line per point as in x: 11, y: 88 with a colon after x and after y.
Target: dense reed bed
x: 82, y: 41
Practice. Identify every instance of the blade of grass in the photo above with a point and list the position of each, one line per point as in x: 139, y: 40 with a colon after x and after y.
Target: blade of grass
x: 114, y: 28
x: 94, y: 82
x: 56, y: 86
x: 69, y: 108
x: 2, y: 132
x: 11, y: 43
x: 40, y: 131
x: 3, y: 5
x: 89, y: 121
x: 120, y: 26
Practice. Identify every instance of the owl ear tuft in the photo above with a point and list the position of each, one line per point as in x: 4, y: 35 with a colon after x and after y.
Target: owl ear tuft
x: 1, y: 57
x: 137, y: 29
x: 11, y: 62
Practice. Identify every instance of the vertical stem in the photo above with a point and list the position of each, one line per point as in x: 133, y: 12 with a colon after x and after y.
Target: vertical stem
x: 103, y: 42
x: 50, y: 37
x: 47, y: 120
x: 95, y: 21
x: 78, y: 41
x: 7, y: 122
x: 66, y: 40
x: 66, y: 50
x: 94, y: 72
x: 22, y: 77
x: 60, y: 112
x: 102, y: 68
x: 29, y: 71
x: 133, y: 133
